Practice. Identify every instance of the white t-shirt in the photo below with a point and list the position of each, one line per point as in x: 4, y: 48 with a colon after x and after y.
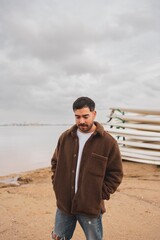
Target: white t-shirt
x: 83, y: 137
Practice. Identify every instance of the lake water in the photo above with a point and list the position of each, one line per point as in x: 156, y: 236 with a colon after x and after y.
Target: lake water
x: 24, y: 148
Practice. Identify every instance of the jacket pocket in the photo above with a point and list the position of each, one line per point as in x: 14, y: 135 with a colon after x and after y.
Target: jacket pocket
x: 97, y: 165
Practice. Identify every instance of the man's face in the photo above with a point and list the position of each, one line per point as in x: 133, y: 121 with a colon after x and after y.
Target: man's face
x: 85, y: 119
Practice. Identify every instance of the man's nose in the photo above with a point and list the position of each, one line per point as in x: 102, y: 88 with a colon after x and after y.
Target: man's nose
x: 81, y: 120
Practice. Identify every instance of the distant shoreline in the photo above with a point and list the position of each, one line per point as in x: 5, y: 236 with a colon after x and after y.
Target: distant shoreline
x: 33, y: 124
x: 36, y: 124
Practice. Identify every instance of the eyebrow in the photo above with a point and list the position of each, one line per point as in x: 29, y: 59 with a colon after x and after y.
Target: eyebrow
x: 85, y: 115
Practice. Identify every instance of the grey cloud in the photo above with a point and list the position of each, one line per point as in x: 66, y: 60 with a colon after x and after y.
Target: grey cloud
x: 52, y: 52
x: 84, y: 65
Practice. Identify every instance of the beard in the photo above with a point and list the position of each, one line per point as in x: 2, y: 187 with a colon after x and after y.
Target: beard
x: 83, y: 127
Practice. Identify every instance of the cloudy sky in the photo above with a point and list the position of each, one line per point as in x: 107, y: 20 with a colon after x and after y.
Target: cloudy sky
x: 53, y: 51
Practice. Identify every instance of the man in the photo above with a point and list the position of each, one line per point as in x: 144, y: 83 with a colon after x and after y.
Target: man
x: 86, y: 168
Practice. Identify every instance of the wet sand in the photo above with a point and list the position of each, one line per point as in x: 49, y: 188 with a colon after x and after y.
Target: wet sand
x: 27, y: 206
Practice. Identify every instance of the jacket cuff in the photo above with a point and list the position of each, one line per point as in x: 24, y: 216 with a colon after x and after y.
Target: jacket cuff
x: 105, y: 196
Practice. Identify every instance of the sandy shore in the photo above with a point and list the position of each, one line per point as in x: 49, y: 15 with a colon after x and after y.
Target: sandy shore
x: 133, y: 212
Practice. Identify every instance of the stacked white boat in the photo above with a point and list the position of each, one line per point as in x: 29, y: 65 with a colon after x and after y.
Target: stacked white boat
x: 137, y: 132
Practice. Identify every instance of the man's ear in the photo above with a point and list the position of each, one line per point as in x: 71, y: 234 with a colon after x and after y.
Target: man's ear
x: 94, y: 113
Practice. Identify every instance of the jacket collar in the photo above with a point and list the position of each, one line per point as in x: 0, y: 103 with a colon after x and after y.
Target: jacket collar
x: 99, y: 129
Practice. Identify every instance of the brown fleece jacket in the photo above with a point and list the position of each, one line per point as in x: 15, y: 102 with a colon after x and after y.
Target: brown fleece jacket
x: 100, y: 171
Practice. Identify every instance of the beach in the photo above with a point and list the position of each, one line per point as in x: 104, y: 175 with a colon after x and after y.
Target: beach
x: 28, y: 205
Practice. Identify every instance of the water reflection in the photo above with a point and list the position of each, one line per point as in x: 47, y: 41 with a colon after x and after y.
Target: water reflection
x: 26, y: 148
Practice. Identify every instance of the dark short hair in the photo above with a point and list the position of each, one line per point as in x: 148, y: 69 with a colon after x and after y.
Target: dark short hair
x: 82, y: 102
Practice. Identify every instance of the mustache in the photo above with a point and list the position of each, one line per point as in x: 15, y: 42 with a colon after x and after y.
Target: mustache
x: 83, y: 125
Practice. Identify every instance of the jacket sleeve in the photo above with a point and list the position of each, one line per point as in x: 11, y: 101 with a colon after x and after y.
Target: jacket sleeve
x: 114, y: 172
x: 54, y: 160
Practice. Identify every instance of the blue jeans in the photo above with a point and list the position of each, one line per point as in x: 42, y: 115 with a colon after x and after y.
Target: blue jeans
x: 65, y: 226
